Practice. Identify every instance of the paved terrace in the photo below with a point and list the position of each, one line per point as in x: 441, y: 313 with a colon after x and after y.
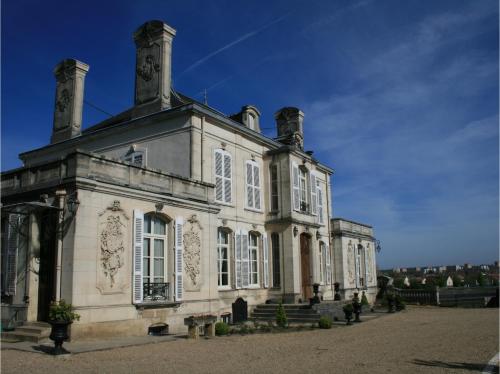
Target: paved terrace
x: 419, y: 340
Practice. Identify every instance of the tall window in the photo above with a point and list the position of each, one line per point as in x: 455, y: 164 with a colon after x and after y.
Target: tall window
x: 153, y: 259
x: 274, y: 187
x: 251, y: 122
x: 275, y: 243
x: 222, y: 258
x: 253, y: 185
x: 223, y: 176
x: 319, y: 194
x: 303, y: 190
x: 253, y: 251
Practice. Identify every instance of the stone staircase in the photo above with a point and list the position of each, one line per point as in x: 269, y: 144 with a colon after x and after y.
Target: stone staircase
x: 30, y: 331
x: 295, y: 313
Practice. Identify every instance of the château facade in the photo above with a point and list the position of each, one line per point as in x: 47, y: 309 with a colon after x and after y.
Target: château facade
x: 166, y: 210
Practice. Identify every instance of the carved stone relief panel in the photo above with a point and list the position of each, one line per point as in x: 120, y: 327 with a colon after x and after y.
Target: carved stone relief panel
x: 113, y: 250
x: 62, y: 112
x: 192, y: 254
x: 350, y: 263
x: 148, y: 73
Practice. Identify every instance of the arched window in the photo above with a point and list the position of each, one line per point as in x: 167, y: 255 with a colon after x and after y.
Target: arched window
x: 154, y: 259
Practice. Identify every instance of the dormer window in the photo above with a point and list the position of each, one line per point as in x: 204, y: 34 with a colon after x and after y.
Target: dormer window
x: 135, y: 156
x: 251, y: 121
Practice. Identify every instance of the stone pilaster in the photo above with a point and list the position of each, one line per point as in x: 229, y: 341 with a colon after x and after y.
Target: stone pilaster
x: 153, y: 65
x: 70, y: 80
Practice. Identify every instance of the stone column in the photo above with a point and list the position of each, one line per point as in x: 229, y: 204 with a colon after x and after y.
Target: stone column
x: 70, y: 78
x: 153, y: 65
x: 61, y: 195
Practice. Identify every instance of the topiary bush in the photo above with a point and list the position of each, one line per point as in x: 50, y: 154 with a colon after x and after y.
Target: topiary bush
x: 325, y: 323
x: 281, y: 319
x: 221, y: 328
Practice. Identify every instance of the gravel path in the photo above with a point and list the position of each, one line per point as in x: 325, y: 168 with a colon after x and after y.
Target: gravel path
x: 420, y: 340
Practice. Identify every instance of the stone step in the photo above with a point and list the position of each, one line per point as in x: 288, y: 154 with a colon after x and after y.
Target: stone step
x: 34, y: 330
x: 285, y: 306
x: 288, y: 313
x: 24, y: 336
x: 289, y: 320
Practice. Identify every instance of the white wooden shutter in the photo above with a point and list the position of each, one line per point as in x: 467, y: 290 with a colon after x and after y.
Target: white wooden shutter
x: 366, y: 265
x: 179, y: 247
x: 356, y: 257
x: 219, y: 183
x: 256, y: 184
x: 265, y: 250
x: 249, y: 184
x: 295, y: 186
x: 237, y: 259
x: 328, y: 265
x: 227, y: 178
x: 245, y: 260
x: 12, y: 252
x: 320, y: 204
x: 138, y: 247
x: 312, y: 177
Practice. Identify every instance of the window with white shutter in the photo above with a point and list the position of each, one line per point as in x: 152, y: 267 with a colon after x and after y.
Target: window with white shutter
x: 253, y: 254
x: 321, y: 263
x: 295, y: 187
x: 274, y: 188
x: 138, y: 247
x: 252, y: 171
x: 319, y: 194
x: 312, y: 179
x: 223, y: 176
x: 265, y: 255
x: 222, y: 258
x: 179, y: 248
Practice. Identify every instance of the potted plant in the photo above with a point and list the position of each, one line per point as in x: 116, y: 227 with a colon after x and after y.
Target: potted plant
x: 348, y: 309
x: 61, y: 315
x: 356, y: 306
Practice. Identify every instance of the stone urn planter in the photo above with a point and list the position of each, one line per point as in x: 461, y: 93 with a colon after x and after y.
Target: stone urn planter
x: 348, y: 310
x: 61, y: 316
x: 336, y: 297
x: 356, y: 306
x: 315, y: 299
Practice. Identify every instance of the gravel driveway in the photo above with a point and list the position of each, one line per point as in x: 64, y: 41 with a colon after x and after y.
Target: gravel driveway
x: 419, y: 340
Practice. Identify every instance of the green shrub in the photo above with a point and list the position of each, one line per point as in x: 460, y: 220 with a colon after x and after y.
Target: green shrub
x: 221, y: 328
x: 244, y: 329
x: 325, y: 323
x: 348, y: 308
x: 265, y: 328
x: 364, y: 299
x: 400, y: 304
x: 281, y: 319
x: 60, y: 311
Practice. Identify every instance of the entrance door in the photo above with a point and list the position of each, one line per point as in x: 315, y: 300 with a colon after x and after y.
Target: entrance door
x: 46, y: 275
x: 305, y: 264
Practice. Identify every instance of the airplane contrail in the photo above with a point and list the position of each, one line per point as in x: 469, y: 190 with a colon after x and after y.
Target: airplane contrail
x: 232, y: 44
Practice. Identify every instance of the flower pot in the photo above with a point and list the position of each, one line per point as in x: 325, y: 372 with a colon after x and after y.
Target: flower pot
x: 59, y: 334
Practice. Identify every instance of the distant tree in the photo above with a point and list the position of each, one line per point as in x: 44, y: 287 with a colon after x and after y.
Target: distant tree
x: 481, y: 279
x: 441, y: 280
x: 399, y: 283
x: 457, y: 282
x: 415, y: 285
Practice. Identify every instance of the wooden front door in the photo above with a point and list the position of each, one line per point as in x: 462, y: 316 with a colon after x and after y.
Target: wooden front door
x: 46, y: 274
x: 305, y: 264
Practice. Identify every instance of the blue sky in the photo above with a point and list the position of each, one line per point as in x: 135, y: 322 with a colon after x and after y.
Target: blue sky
x: 400, y: 97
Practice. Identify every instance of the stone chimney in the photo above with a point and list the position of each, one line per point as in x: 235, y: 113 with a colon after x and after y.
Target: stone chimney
x: 70, y: 78
x: 289, y: 122
x: 153, y: 65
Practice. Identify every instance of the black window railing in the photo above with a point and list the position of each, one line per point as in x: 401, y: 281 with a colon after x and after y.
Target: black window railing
x: 156, y: 291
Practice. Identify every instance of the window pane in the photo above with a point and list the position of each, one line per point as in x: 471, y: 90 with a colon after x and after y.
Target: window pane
x: 224, y: 280
x: 159, y: 280
x: 159, y: 248
x: 159, y: 226
x: 159, y: 267
x: 147, y: 224
x: 146, y: 250
x: 253, y: 240
x: 224, y: 266
x: 254, y: 278
x: 145, y: 266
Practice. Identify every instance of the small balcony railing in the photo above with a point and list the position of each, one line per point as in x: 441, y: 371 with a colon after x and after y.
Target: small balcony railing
x: 156, y: 291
